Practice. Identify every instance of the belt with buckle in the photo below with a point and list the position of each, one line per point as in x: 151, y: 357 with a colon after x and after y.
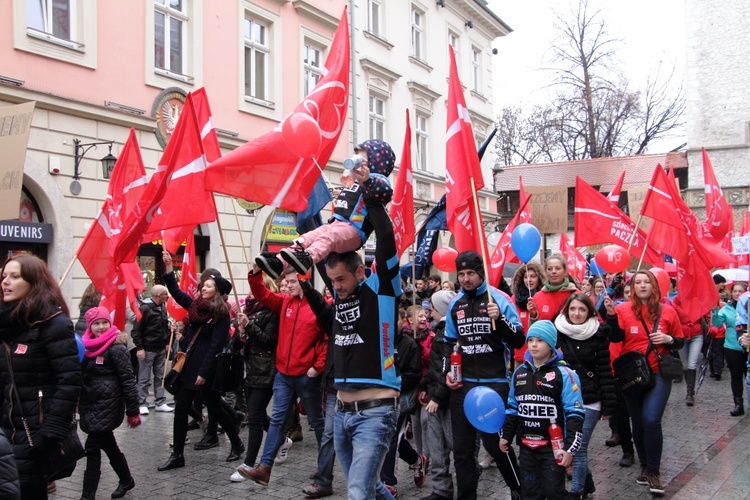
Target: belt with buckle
x: 367, y: 403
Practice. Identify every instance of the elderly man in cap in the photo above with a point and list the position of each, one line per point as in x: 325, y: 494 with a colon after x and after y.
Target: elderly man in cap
x: 484, y: 329
x: 150, y: 336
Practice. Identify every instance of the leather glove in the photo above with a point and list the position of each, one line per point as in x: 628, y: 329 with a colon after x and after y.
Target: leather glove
x: 617, y: 280
x: 134, y: 421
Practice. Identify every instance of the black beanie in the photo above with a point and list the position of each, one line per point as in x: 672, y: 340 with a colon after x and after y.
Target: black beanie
x: 718, y: 278
x: 222, y: 285
x: 470, y: 260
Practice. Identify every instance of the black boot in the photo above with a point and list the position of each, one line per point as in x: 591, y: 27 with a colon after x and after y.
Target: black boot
x: 90, y: 484
x: 174, y: 462
x: 739, y: 408
x: 690, y: 387
x: 589, y: 487
x: 120, y: 465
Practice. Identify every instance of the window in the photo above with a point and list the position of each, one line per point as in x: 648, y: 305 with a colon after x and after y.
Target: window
x: 53, y: 17
x: 170, y: 28
x: 257, y: 56
x: 377, y: 118
x: 417, y: 36
x: 374, y: 13
x: 453, y: 40
x: 312, y: 57
x: 421, y: 140
x: 476, y: 69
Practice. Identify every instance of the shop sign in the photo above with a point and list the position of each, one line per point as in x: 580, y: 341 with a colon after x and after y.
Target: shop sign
x: 25, y: 232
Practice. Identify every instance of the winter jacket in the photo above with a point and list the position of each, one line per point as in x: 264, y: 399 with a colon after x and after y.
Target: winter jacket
x: 262, y: 334
x: 485, y: 352
x: 590, y: 360
x: 548, y: 304
x: 726, y: 317
x: 434, y: 381
x: 302, y: 343
x: 48, y: 381
x: 628, y: 329
x: 151, y: 332
x: 318, y: 303
x: 539, y: 395
x: 109, y: 389
x: 212, y: 336
x: 10, y: 488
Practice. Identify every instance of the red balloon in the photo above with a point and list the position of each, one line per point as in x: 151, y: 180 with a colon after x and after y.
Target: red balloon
x: 613, y: 258
x: 663, y: 278
x: 444, y: 258
x: 301, y: 134
x: 175, y: 310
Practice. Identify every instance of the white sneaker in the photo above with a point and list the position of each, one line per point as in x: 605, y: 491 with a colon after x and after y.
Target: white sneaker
x: 164, y: 408
x: 236, y: 477
x: 283, y: 453
x: 143, y: 410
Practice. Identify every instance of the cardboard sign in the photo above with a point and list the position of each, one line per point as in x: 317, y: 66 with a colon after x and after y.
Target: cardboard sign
x: 549, y: 208
x: 15, y: 125
x: 741, y: 245
x: 636, y: 195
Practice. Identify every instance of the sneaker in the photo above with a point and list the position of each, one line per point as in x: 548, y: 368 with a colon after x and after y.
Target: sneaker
x: 164, y: 408
x: 236, y: 477
x: 627, y: 460
x: 283, y: 453
x: 295, y: 434
x: 487, y: 462
x: 317, y: 491
x: 642, y: 479
x: 419, y: 468
x: 270, y: 264
x: 392, y: 490
x: 654, y: 484
x: 299, y: 259
x: 143, y: 410
x: 260, y: 474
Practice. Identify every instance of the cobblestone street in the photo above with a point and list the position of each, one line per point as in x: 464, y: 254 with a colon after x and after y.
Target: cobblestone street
x: 706, y: 455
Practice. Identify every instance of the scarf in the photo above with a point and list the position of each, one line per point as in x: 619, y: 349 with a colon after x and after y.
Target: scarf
x: 577, y: 332
x: 95, y: 346
x: 200, y: 311
x: 556, y: 288
x: 522, y: 297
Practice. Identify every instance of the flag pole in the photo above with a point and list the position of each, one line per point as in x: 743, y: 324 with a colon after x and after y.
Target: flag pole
x: 242, y: 240
x: 169, y: 353
x: 413, y: 277
x: 483, y: 249
x: 226, y: 254
x: 265, y: 232
x: 643, y: 253
x: 635, y: 232
x: 67, y: 271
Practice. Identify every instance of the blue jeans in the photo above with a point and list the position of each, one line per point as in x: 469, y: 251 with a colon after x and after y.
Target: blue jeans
x: 646, y: 411
x: 326, y: 452
x: 286, y: 389
x: 581, y: 460
x: 690, y: 353
x: 361, y: 440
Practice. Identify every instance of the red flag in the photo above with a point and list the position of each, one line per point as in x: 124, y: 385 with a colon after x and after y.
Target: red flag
x: 402, y: 207
x: 614, y: 195
x: 503, y: 251
x: 126, y: 185
x: 206, y: 125
x: 575, y: 259
x: 189, y: 273
x: 726, y: 245
x: 696, y: 287
x: 176, y: 179
x: 525, y: 214
x: 463, y: 174
x: 719, y: 217
x: 268, y: 169
x: 598, y: 221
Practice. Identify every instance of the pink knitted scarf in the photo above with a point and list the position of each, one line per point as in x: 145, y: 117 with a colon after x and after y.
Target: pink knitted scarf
x: 94, y: 346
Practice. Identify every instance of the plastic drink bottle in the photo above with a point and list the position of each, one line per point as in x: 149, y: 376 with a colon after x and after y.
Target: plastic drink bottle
x: 556, y: 438
x: 456, y: 365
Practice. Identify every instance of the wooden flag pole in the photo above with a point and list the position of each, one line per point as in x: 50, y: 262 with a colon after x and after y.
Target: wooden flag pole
x: 67, y: 271
x: 635, y: 232
x: 226, y: 255
x: 643, y: 253
x: 483, y: 248
x: 265, y: 232
x: 169, y: 353
x: 242, y: 240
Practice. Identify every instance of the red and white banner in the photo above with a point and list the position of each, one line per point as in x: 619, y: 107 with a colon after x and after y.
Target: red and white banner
x: 575, y: 259
x: 402, y: 206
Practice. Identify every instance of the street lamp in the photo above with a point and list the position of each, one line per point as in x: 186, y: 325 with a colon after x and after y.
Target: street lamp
x: 108, y: 162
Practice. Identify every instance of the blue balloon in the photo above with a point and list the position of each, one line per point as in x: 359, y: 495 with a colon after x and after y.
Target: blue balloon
x: 596, y: 269
x: 79, y: 343
x: 485, y: 409
x: 525, y: 241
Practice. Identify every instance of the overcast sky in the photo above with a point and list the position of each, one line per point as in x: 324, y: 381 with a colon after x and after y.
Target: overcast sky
x: 652, y: 31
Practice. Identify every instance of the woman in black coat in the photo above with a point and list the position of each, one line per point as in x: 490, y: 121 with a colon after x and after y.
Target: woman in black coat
x: 109, y: 392
x: 585, y: 346
x: 39, y: 342
x: 204, y: 337
x: 259, y: 330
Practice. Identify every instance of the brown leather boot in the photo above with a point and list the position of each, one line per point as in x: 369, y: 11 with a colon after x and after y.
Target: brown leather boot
x: 260, y: 474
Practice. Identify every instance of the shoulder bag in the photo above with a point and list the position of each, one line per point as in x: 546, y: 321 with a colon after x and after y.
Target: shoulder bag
x: 54, y: 465
x: 669, y: 367
x: 632, y: 372
x: 173, y: 379
x: 229, y: 368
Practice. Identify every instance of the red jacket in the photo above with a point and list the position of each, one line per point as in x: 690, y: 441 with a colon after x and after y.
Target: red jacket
x: 523, y: 315
x: 636, y: 339
x: 548, y: 304
x: 689, y: 329
x: 302, y: 343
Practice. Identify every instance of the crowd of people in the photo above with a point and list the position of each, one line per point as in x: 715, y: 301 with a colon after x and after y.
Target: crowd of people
x: 368, y: 361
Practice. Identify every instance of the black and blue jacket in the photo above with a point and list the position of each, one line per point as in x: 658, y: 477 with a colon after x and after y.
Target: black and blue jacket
x: 539, y: 395
x: 484, y: 349
x: 364, y: 324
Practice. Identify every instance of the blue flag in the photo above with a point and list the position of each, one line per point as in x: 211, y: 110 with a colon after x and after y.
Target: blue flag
x: 309, y: 218
x: 427, y: 239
